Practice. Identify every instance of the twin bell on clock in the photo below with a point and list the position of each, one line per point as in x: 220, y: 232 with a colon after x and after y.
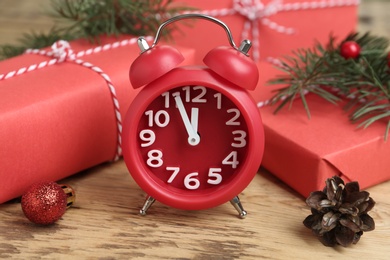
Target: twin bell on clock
x: 193, y: 137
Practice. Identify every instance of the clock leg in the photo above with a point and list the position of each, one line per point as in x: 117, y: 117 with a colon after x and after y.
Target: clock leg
x: 148, y: 203
x: 238, y: 206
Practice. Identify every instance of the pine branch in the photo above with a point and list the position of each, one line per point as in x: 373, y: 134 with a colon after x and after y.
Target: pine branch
x: 324, y: 71
x: 306, y: 71
x: 93, y: 18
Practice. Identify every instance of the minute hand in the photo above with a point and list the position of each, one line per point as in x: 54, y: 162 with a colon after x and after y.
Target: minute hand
x: 193, y: 137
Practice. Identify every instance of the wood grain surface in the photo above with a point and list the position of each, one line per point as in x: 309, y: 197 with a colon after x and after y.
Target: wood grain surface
x: 104, y: 222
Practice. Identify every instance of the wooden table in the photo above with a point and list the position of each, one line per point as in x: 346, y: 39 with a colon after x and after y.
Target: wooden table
x: 104, y: 222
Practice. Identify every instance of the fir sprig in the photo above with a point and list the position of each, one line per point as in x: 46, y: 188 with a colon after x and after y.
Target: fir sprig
x: 93, y: 18
x: 324, y: 71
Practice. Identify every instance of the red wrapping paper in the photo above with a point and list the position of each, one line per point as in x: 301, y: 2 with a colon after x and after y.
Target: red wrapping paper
x: 305, y: 152
x: 275, y: 27
x: 59, y: 120
x: 301, y: 152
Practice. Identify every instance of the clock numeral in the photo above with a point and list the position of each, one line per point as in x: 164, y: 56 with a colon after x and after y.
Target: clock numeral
x: 239, y: 139
x: 155, y: 158
x: 160, y: 118
x: 218, y: 96
x: 148, y: 136
x: 174, y: 174
x: 231, y: 159
x: 233, y: 120
x: 187, y: 93
x: 191, y: 180
x: 165, y: 95
x: 214, y: 176
x: 197, y: 99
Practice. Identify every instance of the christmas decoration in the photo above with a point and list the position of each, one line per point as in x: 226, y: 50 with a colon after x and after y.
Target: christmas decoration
x: 45, y: 202
x: 91, y: 19
x: 350, y: 50
x: 363, y: 80
x: 275, y: 27
x: 88, y: 128
x: 196, y: 151
x: 339, y: 213
x: 51, y: 89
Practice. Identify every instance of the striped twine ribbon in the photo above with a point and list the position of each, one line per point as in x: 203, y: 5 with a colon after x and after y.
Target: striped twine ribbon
x: 62, y: 52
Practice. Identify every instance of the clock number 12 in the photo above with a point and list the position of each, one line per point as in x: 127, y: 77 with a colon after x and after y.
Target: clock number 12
x: 199, y: 92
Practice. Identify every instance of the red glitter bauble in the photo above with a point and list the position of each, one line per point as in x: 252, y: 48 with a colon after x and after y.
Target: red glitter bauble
x: 350, y: 50
x: 44, y: 203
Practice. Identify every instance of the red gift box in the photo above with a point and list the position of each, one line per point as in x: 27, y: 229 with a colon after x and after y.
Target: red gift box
x: 305, y: 152
x: 275, y: 27
x: 61, y: 112
x: 301, y: 152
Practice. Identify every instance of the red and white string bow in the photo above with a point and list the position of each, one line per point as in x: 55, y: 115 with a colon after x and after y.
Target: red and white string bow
x: 257, y: 13
x: 61, y: 51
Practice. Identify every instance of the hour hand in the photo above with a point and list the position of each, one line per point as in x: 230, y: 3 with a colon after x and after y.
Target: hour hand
x: 191, y: 126
x: 194, y: 118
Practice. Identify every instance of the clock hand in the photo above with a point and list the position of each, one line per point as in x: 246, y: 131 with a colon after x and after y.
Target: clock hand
x: 193, y: 137
x: 194, y: 118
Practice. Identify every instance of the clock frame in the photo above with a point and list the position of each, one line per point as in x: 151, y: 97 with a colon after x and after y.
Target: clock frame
x: 193, y: 136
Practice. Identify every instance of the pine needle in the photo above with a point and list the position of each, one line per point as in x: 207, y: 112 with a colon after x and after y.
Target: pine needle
x: 364, y: 82
x: 92, y: 18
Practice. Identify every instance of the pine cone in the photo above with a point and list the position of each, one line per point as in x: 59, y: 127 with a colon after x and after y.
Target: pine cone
x: 339, y: 213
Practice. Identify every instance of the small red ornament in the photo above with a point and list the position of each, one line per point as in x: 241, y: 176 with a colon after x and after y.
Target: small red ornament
x: 350, y: 50
x: 45, y: 202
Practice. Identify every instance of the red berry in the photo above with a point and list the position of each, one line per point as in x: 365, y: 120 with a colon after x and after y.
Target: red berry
x: 350, y: 50
x: 44, y: 203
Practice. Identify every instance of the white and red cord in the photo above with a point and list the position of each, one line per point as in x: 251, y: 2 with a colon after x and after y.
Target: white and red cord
x: 253, y: 10
x: 255, y: 13
x: 61, y: 52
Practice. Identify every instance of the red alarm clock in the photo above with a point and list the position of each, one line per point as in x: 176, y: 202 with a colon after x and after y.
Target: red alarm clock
x: 193, y: 136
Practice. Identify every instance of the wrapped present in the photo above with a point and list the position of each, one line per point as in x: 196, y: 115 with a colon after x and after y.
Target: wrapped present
x: 301, y: 152
x: 275, y: 27
x: 305, y: 152
x: 61, y: 110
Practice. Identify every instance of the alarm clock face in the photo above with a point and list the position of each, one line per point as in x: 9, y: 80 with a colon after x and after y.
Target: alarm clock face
x: 192, y: 138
